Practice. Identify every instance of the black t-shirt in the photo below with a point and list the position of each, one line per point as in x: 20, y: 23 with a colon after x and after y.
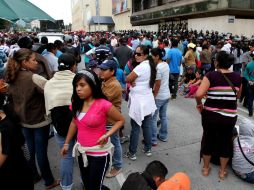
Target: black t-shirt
x: 14, y: 173
x: 189, y: 77
x: 139, y: 181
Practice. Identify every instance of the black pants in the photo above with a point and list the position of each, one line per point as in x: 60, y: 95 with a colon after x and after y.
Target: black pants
x: 93, y: 175
x: 173, y: 83
x: 245, y: 93
x: 250, y: 98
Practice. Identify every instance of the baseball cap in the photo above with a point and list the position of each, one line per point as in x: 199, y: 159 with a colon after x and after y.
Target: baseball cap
x: 191, y: 45
x: 180, y: 181
x: 66, y: 61
x: 108, y: 64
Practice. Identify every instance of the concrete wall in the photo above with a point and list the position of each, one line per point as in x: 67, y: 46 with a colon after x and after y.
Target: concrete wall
x: 221, y: 24
x: 77, y: 17
x: 122, y: 21
x: 83, y: 10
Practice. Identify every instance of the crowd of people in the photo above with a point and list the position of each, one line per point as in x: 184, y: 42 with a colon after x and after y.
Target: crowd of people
x: 43, y: 87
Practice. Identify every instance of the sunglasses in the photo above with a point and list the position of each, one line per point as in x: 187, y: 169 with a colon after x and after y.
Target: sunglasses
x: 137, y: 54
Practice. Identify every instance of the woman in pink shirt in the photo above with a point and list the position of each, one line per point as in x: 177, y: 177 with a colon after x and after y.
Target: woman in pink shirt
x: 90, y: 111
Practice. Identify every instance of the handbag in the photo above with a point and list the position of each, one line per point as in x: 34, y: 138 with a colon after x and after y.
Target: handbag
x: 243, y: 152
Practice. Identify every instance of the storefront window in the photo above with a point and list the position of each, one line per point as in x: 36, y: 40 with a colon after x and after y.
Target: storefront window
x: 243, y: 4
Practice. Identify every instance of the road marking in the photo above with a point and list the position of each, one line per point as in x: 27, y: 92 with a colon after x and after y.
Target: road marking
x: 120, y: 179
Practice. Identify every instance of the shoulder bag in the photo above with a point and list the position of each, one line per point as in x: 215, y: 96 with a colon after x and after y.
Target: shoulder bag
x: 230, y: 84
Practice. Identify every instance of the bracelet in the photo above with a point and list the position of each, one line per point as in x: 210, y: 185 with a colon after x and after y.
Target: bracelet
x: 66, y: 144
x: 105, y: 135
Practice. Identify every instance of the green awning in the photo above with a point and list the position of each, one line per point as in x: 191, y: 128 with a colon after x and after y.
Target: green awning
x: 14, y: 10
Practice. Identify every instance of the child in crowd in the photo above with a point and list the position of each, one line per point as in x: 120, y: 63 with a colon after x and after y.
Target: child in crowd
x: 187, y: 79
x: 193, y: 85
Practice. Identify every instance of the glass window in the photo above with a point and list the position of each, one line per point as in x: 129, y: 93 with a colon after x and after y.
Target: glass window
x: 244, y: 4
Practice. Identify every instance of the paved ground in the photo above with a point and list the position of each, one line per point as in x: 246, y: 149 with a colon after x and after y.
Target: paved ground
x: 180, y: 153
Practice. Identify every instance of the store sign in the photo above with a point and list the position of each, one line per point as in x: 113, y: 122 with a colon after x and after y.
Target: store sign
x: 231, y: 19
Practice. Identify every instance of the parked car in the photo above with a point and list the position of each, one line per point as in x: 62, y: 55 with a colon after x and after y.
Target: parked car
x: 52, y: 36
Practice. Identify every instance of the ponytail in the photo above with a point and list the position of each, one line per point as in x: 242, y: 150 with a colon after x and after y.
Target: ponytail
x: 14, y: 64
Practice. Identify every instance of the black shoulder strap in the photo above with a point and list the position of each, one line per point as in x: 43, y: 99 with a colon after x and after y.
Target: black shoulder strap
x: 243, y: 152
x: 229, y: 82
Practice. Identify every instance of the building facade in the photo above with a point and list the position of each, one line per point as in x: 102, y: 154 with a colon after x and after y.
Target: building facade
x: 106, y: 15
x: 92, y: 15
x: 235, y: 16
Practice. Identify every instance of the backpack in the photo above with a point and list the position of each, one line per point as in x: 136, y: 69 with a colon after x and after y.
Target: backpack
x: 61, y: 118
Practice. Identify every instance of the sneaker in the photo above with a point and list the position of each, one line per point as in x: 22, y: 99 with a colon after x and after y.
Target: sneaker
x: 130, y: 156
x: 174, y: 97
x: 158, y: 137
x: 113, y: 172
x: 148, y: 152
x: 124, y: 139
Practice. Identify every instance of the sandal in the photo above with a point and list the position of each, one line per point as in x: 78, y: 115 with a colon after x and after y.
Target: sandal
x: 206, y: 171
x: 222, y: 174
x: 54, y: 184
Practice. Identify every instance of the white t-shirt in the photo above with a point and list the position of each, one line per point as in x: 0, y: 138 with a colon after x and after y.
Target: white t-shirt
x: 143, y: 70
x: 113, y: 42
x: 163, y: 76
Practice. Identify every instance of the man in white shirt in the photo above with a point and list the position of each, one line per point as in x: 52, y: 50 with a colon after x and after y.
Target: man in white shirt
x: 113, y: 41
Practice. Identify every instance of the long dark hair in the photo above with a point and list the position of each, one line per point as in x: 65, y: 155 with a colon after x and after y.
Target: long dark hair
x: 145, y: 51
x: 157, y: 51
x: 77, y: 103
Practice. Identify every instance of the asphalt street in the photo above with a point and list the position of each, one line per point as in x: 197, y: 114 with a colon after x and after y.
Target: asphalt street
x: 180, y: 153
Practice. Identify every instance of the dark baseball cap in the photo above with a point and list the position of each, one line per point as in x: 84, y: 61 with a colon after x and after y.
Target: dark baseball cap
x: 108, y: 64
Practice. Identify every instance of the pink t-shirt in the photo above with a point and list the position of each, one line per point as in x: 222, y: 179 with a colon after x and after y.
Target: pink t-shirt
x: 93, y: 125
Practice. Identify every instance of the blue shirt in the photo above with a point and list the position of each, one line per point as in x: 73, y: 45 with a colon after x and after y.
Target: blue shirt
x: 58, y: 53
x: 175, y: 58
x: 167, y: 49
x: 135, y: 44
x: 121, y: 77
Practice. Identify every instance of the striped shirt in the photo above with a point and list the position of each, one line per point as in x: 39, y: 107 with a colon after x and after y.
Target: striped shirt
x: 220, y: 96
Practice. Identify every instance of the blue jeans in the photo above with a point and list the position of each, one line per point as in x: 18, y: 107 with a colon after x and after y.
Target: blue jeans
x: 37, y: 142
x: 66, y: 163
x: 117, y: 156
x: 162, y: 110
x: 246, y: 177
x: 250, y: 177
x: 134, y: 137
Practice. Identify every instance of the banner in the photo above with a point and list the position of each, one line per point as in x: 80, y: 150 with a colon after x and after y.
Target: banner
x: 119, y: 6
